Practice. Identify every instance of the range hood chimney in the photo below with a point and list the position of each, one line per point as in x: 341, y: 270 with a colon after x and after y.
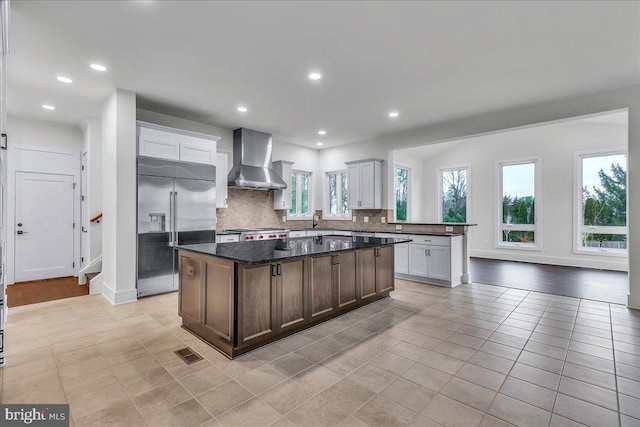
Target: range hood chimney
x: 252, y: 167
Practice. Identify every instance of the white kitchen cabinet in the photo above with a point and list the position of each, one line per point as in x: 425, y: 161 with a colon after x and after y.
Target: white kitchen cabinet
x: 418, y: 265
x: 174, y: 144
x: 282, y: 198
x: 439, y: 262
x: 365, y: 184
x: 198, y: 151
x: 222, y: 189
x: 401, y: 252
x: 434, y: 259
x: 159, y: 144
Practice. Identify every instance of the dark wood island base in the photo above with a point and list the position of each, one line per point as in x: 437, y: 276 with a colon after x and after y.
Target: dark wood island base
x: 237, y: 307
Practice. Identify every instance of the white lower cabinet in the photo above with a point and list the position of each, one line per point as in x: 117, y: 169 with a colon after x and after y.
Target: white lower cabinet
x: 435, y: 259
x: 418, y: 260
x: 439, y: 262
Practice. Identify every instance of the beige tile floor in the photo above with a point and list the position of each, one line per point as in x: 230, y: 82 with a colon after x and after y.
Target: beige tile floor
x: 473, y: 356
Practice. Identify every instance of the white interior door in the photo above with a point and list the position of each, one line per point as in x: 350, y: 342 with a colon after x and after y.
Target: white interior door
x: 44, y: 226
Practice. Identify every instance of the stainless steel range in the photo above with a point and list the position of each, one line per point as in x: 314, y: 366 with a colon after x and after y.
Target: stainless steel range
x: 254, y: 234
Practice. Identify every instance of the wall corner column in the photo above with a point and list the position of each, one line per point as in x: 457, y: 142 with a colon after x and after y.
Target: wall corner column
x: 466, y: 273
x: 119, y: 197
x: 633, y: 197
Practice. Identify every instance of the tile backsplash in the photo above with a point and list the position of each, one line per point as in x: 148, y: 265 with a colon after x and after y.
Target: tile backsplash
x: 248, y: 209
x: 254, y: 208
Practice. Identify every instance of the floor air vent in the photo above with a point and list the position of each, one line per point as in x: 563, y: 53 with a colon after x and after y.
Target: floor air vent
x: 188, y: 356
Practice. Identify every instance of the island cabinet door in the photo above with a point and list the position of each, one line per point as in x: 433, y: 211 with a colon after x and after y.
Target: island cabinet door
x: 321, y: 287
x: 291, y: 294
x: 256, y: 303
x: 344, y: 276
x: 191, y: 295
x: 219, y: 300
x: 366, y: 273
x: 384, y: 269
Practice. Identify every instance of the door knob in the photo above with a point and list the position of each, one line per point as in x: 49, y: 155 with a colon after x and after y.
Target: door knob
x: 19, y: 224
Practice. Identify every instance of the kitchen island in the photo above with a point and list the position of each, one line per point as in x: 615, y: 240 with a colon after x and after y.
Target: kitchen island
x: 240, y: 296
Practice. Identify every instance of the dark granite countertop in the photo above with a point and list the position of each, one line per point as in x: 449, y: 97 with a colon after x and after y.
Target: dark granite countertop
x: 359, y: 230
x: 282, y: 249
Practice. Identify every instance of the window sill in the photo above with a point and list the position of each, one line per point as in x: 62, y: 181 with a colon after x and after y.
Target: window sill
x: 615, y: 253
x: 300, y: 218
x: 519, y: 246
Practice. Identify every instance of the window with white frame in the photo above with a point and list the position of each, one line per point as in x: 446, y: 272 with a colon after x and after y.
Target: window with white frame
x: 301, y: 206
x: 454, y: 200
x: 337, y: 196
x: 402, y: 193
x: 601, y: 202
x: 519, y: 204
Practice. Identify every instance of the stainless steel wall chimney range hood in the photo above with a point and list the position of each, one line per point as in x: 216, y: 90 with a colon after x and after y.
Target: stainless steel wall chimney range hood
x: 252, y: 167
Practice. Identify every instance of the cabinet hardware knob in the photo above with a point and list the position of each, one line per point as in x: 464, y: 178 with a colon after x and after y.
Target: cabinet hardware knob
x: 190, y: 270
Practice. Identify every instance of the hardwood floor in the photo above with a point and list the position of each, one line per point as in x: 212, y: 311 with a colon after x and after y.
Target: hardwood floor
x: 587, y: 283
x: 24, y: 293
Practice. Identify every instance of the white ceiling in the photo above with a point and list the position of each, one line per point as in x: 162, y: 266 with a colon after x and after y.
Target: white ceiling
x: 432, y: 61
x: 616, y: 118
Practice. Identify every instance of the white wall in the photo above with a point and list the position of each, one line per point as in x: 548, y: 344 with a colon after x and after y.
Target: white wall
x: 555, y: 145
x: 332, y: 159
x: 23, y: 131
x: 416, y: 185
x: 305, y: 159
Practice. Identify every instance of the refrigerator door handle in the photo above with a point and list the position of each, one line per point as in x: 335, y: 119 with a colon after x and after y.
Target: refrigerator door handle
x: 170, y: 218
x: 174, y: 218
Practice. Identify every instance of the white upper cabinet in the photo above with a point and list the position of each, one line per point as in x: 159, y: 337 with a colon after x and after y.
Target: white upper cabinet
x: 365, y: 184
x: 173, y: 144
x: 198, y: 150
x: 282, y: 198
x: 222, y: 190
x: 155, y: 143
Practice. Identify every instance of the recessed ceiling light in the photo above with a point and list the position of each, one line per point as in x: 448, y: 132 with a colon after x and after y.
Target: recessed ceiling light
x: 64, y: 79
x: 98, y: 67
x: 242, y: 109
x: 319, y: 143
x: 315, y: 76
x: 394, y: 114
x: 322, y: 132
x: 48, y: 107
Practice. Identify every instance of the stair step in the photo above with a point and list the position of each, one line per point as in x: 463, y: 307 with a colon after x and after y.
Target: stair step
x: 90, y: 276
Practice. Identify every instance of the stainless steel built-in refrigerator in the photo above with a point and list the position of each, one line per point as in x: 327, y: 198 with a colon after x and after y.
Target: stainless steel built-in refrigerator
x: 176, y: 205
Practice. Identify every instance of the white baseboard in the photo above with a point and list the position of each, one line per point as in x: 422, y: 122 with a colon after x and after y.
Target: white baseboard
x: 119, y: 297
x: 543, y: 259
